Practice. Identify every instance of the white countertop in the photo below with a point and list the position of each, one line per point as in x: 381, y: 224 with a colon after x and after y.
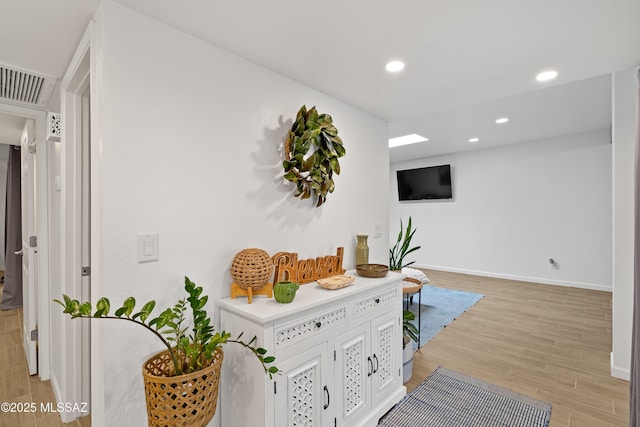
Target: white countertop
x: 264, y: 309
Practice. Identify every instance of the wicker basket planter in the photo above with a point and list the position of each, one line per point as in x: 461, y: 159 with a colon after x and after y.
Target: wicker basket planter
x: 180, y: 401
x: 183, y: 400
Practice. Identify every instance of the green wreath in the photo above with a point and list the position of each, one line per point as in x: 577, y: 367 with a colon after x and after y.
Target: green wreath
x: 312, y: 173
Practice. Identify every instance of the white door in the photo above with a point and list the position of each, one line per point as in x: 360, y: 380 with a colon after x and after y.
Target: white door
x: 29, y: 249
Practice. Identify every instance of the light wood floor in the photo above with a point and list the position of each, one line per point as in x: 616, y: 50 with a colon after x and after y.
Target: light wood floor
x: 17, y: 386
x: 549, y: 342
x: 552, y: 343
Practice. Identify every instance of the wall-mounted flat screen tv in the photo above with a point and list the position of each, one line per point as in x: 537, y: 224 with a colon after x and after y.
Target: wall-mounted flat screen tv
x: 429, y: 183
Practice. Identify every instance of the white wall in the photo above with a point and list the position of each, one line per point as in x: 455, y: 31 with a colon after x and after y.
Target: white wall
x: 190, y: 149
x: 515, y: 207
x: 625, y: 92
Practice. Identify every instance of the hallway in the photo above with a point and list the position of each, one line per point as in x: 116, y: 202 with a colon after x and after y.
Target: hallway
x: 16, y: 386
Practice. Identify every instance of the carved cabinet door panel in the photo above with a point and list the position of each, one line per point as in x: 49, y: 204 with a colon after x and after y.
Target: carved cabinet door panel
x: 386, y: 338
x: 303, y: 392
x: 353, y: 370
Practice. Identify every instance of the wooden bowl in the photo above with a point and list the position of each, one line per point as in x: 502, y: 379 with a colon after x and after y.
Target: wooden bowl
x: 372, y: 270
x: 335, y: 282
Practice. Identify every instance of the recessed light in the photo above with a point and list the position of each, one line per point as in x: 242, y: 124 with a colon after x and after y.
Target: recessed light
x: 406, y: 139
x: 547, y: 75
x: 474, y: 139
x: 394, y: 66
x: 502, y: 120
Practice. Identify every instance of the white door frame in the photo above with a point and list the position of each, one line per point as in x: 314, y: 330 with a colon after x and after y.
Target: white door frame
x: 80, y: 75
x: 42, y: 219
x: 85, y: 240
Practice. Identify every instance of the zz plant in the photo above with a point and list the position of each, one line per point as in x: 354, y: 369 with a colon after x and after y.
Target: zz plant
x: 402, y: 248
x: 190, y: 350
x: 312, y: 150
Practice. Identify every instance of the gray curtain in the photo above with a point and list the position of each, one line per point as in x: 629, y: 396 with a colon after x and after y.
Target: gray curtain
x: 12, y: 292
x: 634, y: 398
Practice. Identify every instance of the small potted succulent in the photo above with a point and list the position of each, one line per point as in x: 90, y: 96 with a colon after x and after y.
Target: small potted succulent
x: 181, y: 382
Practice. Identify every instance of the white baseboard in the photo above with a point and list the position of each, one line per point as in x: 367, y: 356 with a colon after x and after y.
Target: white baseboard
x: 55, y: 385
x: 545, y: 281
x: 621, y: 373
x: 65, y: 416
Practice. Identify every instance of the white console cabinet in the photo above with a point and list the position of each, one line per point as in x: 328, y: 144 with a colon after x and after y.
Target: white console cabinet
x: 340, y: 352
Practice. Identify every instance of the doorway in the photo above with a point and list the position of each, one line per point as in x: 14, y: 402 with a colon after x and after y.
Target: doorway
x: 36, y: 306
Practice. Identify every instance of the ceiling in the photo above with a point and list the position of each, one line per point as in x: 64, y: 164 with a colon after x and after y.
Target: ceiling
x: 467, y: 62
x: 571, y: 108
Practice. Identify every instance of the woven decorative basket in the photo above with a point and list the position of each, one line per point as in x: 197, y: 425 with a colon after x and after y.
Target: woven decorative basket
x: 251, y: 268
x: 180, y: 401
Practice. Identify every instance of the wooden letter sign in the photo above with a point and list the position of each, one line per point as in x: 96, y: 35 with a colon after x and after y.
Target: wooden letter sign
x: 307, y: 270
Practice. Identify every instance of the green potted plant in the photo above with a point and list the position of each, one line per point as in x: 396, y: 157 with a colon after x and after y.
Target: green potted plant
x: 409, y: 333
x: 402, y: 248
x: 181, y: 382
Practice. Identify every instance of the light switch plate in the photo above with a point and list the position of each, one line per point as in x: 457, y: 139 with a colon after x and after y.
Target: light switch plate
x: 377, y: 230
x: 147, y: 247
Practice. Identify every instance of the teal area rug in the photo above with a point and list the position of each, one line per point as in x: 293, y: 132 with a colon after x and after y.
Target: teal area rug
x: 448, y: 399
x: 440, y: 307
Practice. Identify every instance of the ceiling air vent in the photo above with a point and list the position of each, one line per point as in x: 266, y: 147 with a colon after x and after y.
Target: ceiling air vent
x: 25, y: 87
